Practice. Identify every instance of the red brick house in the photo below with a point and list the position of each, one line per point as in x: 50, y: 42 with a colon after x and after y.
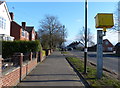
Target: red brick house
x: 117, y: 48
x: 107, y: 46
x: 32, y: 33
x: 17, y: 31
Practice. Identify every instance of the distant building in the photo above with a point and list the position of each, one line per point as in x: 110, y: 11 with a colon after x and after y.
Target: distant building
x: 107, y: 46
x: 80, y: 46
x: 93, y: 48
x: 76, y: 45
x: 117, y: 48
x: 5, y: 21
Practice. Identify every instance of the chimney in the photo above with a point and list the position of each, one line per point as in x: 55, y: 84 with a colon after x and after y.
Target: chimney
x: 24, y: 25
x: 12, y: 16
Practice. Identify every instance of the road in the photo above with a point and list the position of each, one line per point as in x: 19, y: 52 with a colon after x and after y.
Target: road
x: 110, y: 62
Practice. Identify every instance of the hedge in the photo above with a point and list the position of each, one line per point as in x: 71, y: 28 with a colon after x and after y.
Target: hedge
x: 43, y: 53
x: 11, y: 47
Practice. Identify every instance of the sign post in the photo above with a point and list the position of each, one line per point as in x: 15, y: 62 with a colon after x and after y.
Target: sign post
x: 99, y: 54
x: 103, y: 20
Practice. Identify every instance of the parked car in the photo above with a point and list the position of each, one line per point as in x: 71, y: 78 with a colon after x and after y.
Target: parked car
x: 69, y: 48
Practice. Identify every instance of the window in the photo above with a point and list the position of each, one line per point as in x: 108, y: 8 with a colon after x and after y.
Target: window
x: 2, y: 23
x: 110, y: 48
x: 106, y: 43
x: 26, y: 35
x: 23, y: 33
x: 33, y: 35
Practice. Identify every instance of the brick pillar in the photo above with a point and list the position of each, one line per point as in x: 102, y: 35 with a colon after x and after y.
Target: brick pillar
x: 40, y: 56
x: 36, y: 55
x: 1, y: 72
x: 30, y: 56
x: 18, y: 59
x: 20, y: 56
x: 49, y: 52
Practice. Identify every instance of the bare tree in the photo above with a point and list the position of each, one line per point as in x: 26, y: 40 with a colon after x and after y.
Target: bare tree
x: 89, y: 37
x: 116, y: 27
x: 53, y: 30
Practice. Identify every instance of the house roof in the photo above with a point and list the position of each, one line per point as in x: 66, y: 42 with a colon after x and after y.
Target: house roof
x: 118, y: 44
x: 6, y: 8
x: 16, y: 23
x: 1, y: 2
x: 108, y: 41
x: 29, y: 28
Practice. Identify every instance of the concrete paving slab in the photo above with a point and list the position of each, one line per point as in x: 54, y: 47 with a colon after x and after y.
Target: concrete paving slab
x: 54, y: 71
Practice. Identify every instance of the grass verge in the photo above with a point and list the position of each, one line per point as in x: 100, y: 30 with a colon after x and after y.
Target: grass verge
x: 64, y: 52
x: 104, y: 82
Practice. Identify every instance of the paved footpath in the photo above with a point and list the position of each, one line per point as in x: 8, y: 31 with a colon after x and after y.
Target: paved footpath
x: 54, y: 71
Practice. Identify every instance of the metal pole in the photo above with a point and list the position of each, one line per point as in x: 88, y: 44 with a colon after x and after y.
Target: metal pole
x: 0, y: 48
x: 63, y: 35
x: 99, y: 53
x: 85, y: 49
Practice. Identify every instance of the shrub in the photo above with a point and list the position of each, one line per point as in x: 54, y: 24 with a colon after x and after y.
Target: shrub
x: 43, y: 53
x: 10, y: 47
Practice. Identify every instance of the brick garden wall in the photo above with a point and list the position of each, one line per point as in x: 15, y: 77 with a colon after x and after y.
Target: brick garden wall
x: 12, y: 78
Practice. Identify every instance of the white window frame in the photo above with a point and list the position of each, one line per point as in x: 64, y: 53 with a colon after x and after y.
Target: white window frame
x: 33, y: 35
x: 2, y: 23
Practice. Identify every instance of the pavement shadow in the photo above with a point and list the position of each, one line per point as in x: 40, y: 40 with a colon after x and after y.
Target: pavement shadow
x: 90, y: 78
x: 51, y: 75
x: 51, y: 81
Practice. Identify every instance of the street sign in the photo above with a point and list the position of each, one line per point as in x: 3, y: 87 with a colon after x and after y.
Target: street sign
x: 104, y: 20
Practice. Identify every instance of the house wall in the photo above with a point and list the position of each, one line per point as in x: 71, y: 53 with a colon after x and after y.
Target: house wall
x: 36, y: 35
x: 15, y: 30
x: 5, y: 14
x: 23, y: 37
x: 33, y: 35
x: 107, y: 47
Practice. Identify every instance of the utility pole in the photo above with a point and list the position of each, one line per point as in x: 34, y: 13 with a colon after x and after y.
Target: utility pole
x: 85, y: 48
x: 63, y: 35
